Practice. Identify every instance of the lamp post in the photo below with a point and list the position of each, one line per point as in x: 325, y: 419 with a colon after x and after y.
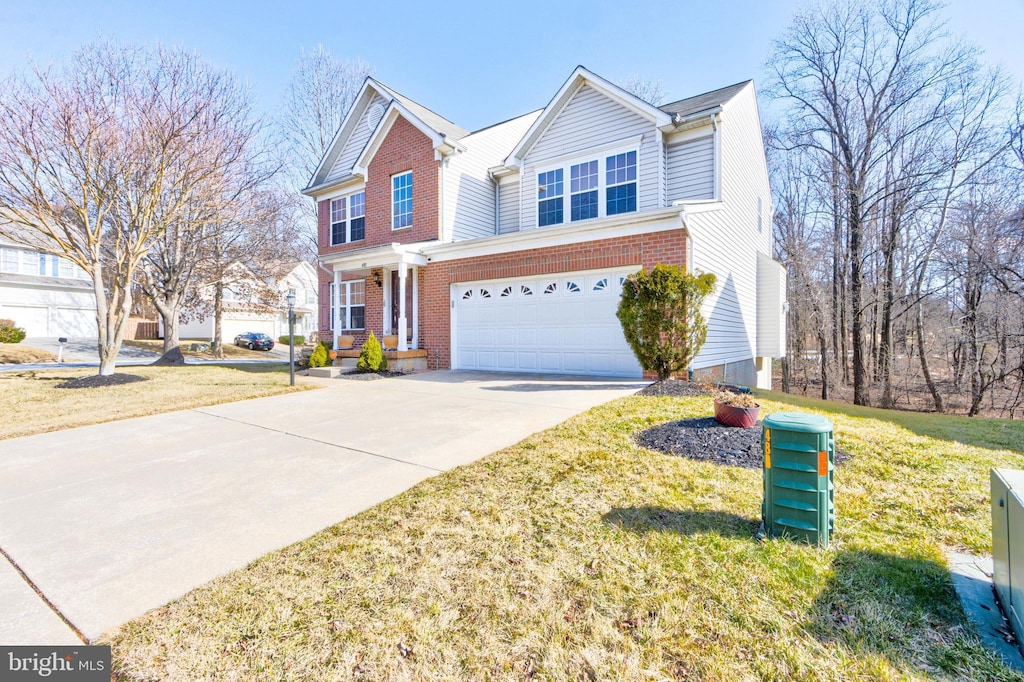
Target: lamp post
x: 291, y: 335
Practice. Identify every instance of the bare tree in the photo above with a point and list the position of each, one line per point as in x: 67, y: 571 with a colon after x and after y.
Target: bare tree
x: 99, y: 157
x: 861, y: 81
x: 647, y: 89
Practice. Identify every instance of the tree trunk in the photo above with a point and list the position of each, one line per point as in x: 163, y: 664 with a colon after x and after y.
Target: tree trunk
x: 823, y: 357
x: 861, y: 396
x: 171, y: 324
x: 925, y: 370
x: 885, y: 348
x: 218, y: 314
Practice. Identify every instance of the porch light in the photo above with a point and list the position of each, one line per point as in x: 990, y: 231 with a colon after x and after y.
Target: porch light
x: 377, y: 279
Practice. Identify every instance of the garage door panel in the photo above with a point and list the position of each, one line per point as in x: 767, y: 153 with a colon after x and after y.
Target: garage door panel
x: 561, y: 323
x: 33, y: 319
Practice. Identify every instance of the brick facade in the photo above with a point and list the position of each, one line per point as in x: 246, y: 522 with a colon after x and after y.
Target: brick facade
x: 404, y: 149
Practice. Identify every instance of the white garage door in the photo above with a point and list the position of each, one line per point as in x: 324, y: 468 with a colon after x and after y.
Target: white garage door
x: 562, y: 324
x: 33, y: 319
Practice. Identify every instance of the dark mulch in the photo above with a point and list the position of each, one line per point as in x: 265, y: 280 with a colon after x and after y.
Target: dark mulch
x: 674, y: 387
x: 356, y: 375
x: 96, y: 381
x: 706, y: 440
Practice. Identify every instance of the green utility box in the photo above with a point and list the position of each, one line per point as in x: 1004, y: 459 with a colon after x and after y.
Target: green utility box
x: 799, y: 455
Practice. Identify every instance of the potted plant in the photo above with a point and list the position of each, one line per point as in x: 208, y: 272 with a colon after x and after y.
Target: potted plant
x: 390, y: 341
x: 345, y: 341
x: 736, y: 409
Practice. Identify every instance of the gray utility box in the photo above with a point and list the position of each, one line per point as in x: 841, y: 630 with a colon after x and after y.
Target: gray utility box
x: 1008, y: 544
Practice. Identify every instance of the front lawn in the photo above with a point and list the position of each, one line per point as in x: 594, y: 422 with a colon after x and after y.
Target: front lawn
x: 578, y: 555
x: 17, y: 354
x: 31, y: 403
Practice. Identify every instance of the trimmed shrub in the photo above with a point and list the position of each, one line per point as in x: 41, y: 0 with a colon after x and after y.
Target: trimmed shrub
x: 319, y: 357
x: 299, y: 340
x: 661, y: 319
x: 11, y: 334
x: 371, y: 357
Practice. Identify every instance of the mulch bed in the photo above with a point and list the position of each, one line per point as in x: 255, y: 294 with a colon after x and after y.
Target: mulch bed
x: 676, y: 388
x: 97, y: 381
x: 356, y: 375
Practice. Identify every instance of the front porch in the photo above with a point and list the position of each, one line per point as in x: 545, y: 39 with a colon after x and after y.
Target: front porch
x: 386, y: 301
x: 398, y: 360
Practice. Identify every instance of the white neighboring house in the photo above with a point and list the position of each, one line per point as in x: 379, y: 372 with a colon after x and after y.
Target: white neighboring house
x: 246, y: 310
x: 45, y: 295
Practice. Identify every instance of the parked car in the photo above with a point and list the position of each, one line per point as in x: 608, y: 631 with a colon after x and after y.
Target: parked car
x: 254, y: 341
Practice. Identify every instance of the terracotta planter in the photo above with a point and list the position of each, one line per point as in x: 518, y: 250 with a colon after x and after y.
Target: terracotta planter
x: 345, y: 341
x: 390, y: 341
x: 741, y: 417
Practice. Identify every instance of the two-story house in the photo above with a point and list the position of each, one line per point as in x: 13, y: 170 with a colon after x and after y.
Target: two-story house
x: 505, y: 248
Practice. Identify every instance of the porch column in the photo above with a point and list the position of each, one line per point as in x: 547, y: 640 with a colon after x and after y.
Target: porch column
x: 336, y: 310
x: 403, y: 325
x: 415, y: 307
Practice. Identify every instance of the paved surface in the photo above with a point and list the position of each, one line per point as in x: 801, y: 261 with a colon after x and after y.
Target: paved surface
x: 972, y: 578
x: 109, y: 521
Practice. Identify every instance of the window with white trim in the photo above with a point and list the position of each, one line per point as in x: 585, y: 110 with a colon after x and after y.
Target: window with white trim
x: 593, y: 192
x: 401, y: 201
x: 26, y: 262
x: 348, y: 219
x: 351, y: 305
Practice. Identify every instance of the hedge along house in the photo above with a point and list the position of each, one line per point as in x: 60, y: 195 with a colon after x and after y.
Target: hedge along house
x: 505, y: 249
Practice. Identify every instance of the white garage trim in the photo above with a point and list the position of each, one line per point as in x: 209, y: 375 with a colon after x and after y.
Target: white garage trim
x: 561, y: 323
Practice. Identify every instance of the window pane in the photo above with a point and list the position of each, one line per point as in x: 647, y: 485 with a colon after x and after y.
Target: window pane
x: 42, y: 264
x: 9, y: 260
x: 549, y: 184
x: 337, y: 210
x: 343, y: 295
x: 549, y: 212
x: 621, y: 168
x: 401, y: 195
x: 584, y: 205
x: 357, y: 292
x: 357, y: 204
x: 622, y: 199
x: 358, y: 314
x: 66, y: 268
x: 584, y: 177
x: 337, y: 233
x: 357, y: 229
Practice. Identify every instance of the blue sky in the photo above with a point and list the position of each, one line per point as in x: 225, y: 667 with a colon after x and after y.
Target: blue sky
x: 476, y: 63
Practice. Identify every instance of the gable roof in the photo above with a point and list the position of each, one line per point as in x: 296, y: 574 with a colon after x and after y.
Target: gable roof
x: 435, y: 126
x: 700, y: 103
x: 580, y: 76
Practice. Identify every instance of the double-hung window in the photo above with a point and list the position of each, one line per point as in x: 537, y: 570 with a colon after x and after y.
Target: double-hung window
x: 348, y: 219
x: 401, y: 201
x: 549, y: 193
x: 351, y: 305
x: 594, y: 192
x: 621, y: 183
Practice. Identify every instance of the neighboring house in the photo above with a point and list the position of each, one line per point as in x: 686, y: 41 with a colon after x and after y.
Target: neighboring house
x: 252, y: 304
x: 45, y: 295
x: 505, y: 248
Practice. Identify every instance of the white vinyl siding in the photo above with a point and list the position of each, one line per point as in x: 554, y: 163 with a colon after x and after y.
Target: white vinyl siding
x: 589, y: 120
x: 468, y: 198
x: 691, y: 169
x: 508, y: 207
x: 727, y: 242
x: 771, y: 308
x: 355, y: 143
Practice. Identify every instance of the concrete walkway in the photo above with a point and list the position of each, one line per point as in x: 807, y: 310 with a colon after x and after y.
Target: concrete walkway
x: 109, y: 521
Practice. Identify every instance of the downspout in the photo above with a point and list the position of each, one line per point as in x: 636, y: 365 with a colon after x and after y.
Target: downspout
x: 497, y: 207
x: 689, y: 268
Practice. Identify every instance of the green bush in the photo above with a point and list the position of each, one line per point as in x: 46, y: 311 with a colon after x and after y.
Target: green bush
x: 661, y: 319
x: 299, y: 339
x: 319, y: 357
x: 371, y: 357
x: 11, y: 334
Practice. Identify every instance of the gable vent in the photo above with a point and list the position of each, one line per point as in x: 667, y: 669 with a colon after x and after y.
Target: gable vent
x: 374, y: 115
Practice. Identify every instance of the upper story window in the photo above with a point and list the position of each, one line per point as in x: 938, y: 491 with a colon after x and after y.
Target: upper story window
x: 25, y: 262
x: 401, y: 201
x: 621, y: 182
x: 549, y: 196
x: 310, y: 296
x: 348, y: 219
x: 593, y: 192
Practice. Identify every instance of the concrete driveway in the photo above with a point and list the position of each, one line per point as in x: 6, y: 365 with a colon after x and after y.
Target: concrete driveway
x: 108, y: 521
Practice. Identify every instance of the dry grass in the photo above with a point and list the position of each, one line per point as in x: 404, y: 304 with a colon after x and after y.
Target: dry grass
x: 230, y: 350
x: 16, y: 354
x: 578, y: 555
x: 30, y: 403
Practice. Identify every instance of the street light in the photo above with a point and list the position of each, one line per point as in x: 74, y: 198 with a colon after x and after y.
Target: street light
x: 291, y: 335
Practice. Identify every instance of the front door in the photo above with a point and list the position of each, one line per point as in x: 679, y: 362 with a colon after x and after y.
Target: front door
x: 395, y: 292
